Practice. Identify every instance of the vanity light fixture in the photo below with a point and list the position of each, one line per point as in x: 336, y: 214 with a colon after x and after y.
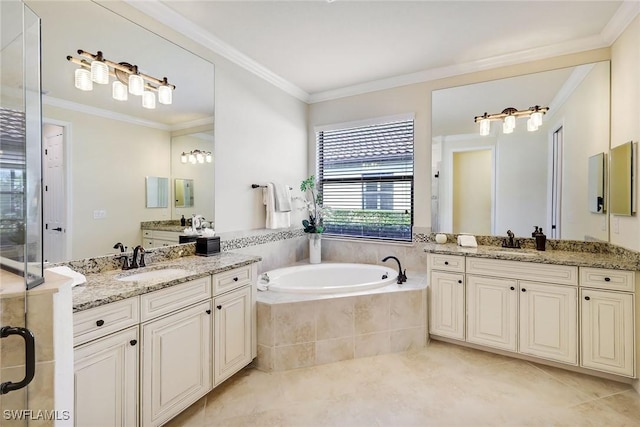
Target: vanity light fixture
x: 196, y: 156
x: 127, y: 79
x: 508, y: 117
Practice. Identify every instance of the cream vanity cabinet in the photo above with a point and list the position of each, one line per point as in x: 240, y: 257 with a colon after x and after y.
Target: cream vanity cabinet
x: 607, y: 303
x: 159, y: 238
x: 106, y: 365
x: 447, y: 296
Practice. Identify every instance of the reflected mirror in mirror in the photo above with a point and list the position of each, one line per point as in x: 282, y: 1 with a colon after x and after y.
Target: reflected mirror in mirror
x: 157, y: 190
x: 622, y: 179
x: 488, y: 184
x: 184, y: 193
x: 597, y: 168
x: 106, y: 144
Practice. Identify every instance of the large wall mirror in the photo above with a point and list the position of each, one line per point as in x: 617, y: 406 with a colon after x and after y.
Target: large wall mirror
x: 105, y: 147
x: 489, y: 184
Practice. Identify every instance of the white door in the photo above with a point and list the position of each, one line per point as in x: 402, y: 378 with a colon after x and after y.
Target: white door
x: 607, y: 331
x: 232, y: 337
x: 446, y: 313
x: 54, y: 194
x: 556, y: 184
x: 176, y: 363
x: 472, y: 191
x: 549, y: 321
x: 492, y: 312
x: 106, y: 381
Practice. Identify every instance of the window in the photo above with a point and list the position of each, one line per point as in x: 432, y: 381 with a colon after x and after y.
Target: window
x: 365, y: 175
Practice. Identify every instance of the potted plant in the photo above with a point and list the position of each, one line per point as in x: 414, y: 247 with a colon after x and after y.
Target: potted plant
x: 316, y: 212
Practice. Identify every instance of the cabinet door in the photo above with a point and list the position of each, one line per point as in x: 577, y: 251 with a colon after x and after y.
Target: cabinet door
x: 607, y: 331
x: 232, y: 338
x: 106, y: 381
x: 492, y: 306
x: 548, y: 321
x: 446, y: 305
x: 176, y: 363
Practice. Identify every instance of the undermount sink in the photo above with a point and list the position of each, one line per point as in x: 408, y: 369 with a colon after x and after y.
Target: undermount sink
x: 153, y: 274
x: 500, y: 251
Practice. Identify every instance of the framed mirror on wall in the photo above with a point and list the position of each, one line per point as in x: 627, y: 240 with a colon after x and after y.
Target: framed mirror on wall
x: 623, y: 179
x: 157, y: 190
x: 529, y: 177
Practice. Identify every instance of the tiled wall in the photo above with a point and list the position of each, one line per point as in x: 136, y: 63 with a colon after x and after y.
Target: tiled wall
x: 295, y: 335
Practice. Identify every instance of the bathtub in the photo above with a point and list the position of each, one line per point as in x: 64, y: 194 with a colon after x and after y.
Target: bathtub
x: 329, y: 278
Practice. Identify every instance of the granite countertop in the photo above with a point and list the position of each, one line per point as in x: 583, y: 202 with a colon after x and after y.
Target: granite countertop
x: 617, y: 261
x: 103, y: 288
x: 176, y: 228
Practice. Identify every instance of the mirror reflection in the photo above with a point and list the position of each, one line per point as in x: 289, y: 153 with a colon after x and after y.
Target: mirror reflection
x: 488, y: 184
x: 597, y: 173
x: 183, y: 193
x: 622, y: 181
x: 107, y: 146
x: 157, y: 189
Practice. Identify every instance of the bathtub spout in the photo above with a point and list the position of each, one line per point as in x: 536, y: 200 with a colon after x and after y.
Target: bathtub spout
x: 402, y: 275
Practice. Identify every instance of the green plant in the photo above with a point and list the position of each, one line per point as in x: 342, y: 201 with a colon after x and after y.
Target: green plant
x: 314, y: 206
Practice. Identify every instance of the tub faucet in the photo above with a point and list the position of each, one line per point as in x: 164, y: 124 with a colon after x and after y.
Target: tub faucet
x: 402, y: 275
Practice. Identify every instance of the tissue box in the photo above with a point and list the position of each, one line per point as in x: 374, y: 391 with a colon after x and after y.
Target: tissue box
x: 207, y: 246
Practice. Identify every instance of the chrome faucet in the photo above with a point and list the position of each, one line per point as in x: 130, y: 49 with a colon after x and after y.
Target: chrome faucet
x: 402, y: 275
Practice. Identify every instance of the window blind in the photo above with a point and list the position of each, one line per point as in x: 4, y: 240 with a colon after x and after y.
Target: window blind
x: 365, y: 177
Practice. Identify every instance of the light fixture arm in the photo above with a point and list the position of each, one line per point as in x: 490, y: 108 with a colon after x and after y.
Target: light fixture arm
x: 511, y: 112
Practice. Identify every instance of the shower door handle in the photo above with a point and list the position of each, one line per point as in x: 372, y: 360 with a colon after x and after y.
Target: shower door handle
x: 29, y: 356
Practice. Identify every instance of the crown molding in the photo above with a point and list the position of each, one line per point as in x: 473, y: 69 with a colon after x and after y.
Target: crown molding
x: 575, y: 79
x: 167, y: 16
x: 625, y: 14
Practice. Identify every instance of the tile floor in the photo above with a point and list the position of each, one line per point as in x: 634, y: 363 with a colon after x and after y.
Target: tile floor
x: 440, y: 385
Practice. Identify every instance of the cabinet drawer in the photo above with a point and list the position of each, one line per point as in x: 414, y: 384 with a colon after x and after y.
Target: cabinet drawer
x: 148, y: 234
x: 446, y: 262
x: 546, y: 273
x: 100, y: 321
x: 171, y: 236
x: 232, y: 279
x: 603, y: 278
x: 171, y: 299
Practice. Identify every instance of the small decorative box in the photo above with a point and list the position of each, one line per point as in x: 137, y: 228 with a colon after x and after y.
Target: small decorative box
x: 207, y: 246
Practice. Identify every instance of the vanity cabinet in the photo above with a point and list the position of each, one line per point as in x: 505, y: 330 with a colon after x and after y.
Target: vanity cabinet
x: 447, y: 296
x: 159, y: 238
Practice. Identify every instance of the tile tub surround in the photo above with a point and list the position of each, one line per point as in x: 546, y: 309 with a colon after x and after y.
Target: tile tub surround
x: 300, y: 330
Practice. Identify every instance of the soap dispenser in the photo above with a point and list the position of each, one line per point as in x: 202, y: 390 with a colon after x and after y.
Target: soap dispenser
x: 541, y: 240
x: 183, y: 221
x: 536, y: 231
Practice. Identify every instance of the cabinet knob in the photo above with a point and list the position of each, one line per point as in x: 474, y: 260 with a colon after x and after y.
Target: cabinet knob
x: 235, y: 279
x: 133, y: 342
x: 100, y: 322
x: 459, y: 281
x: 607, y: 279
x: 524, y: 290
x: 208, y: 311
x: 513, y: 289
x: 587, y: 298
x: 446, y: 263
x: 219, y: 307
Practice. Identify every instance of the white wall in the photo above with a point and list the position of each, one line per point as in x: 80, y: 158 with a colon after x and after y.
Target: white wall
x: 625, y: 118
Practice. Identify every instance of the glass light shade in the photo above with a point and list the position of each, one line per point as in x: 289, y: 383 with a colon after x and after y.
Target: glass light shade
x: 165, y: 95
x: 536, y: 118
x: 136, y: 84
x: 183, y: 158
x: 83, y: 79
x: 510, y: 121
x: 506, y: 128
x: 200, y: 158
x: 119, y: 91
x: 531, y: 126
x: 149, y: 100
x: 209, y: 158
x: 99, y: 72
x: 192, y: 159
x: 485, y: 127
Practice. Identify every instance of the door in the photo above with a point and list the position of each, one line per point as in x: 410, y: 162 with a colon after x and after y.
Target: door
x: 607, y: 331
x: 556, y: 184
x: 548, y: 321
x: 446, y: 313
x: 111, y: 362
x: 472, y: 191
x: 54, y: 194
x: 232, y: 336
x: 176, y: 363
x: 492, y: 311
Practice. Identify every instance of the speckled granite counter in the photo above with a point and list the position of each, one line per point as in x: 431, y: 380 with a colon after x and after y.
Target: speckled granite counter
x: 177, y: 228
x: 104, y: 287
x: 620, y: 260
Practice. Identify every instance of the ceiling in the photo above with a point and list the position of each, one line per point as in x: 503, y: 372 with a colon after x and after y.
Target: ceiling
x: 321, y: 49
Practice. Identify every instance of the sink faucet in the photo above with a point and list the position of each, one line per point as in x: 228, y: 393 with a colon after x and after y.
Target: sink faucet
x: 134, y: 261
x: 120, y: 246
x: 125, y: 261
x: 402, y: 275
x: 511, y: 244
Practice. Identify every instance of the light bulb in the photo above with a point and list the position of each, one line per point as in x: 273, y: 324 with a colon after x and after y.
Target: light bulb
x: 200, y: 158
x: 165, y: 94
x: 99, y: 72
x: 183, y: 158
x: 136, y: 84
x: 531, y: 126
x: 536, y: 118
x: 510, y: 121
x: 192, y: 158
x: 83, y: 79
x: 209, y: 158
x: 485, y: 127
x: 119, y: 91
x: 149, y: 100
x: 506, y: 128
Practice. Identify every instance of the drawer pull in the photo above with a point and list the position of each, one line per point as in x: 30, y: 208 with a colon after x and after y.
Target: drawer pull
x: 607, y: 279
x: 208, y: 311
x: 133, y: 342
x: 524, y: 290
x: 513, y: 289
x: 446, y: 263
x: 587, y: 298
x: 100, y: 322
x: 219, y: 307
x: 235, y: 279
x: 459, y: 281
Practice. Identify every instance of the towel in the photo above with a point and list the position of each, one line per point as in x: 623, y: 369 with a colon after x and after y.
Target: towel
x: 282, y: 197
x: 63, y: 270
x: 274, y: 219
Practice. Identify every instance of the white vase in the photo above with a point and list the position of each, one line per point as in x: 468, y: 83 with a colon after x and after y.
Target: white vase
x: 315, y: 248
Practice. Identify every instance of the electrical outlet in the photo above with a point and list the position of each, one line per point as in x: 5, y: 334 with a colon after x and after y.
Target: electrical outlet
x: 99, y: 214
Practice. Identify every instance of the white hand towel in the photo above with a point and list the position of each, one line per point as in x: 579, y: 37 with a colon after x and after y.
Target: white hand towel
x: 282, y: 197
x: 63, y: 270
x: 274, y: 219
